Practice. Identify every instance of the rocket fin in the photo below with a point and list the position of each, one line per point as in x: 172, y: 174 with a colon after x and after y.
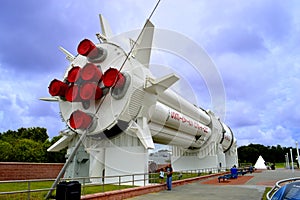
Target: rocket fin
x: 142, y: 130
x: 49, y: 98
x: 105, y: 27
x: 157, y: 86
x: 142, y: 48
x: 61, y: 143
x: 69, y: 56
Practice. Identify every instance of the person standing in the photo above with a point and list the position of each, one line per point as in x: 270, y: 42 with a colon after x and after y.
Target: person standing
x: 161, y: 175
x: 169, y: 171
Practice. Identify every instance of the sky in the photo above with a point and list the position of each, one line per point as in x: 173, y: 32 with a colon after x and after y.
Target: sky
x: 254, y: 45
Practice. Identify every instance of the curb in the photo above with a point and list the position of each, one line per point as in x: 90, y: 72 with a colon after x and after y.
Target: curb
x: 132, y: 192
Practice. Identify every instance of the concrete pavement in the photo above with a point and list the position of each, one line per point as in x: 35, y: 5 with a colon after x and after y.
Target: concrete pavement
x: 253, y: 189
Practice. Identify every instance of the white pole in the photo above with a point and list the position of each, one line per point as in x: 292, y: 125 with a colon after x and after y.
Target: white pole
x: 292, y: 159
x: 297, y: 154
x: 287, y: 160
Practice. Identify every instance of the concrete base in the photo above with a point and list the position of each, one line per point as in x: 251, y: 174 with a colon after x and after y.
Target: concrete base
x: 221, y: 160
x: 231, y: 159
x: 120, y: 156
x: 209, y: 157
x: 194, y: 162
x: 78, y: 167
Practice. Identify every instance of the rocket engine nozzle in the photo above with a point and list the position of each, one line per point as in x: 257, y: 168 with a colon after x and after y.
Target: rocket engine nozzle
x: 80, y: 120
x: 57, y: 88
x: 91, y: 51
x: 72, y: 93
x: 90, y: 91
x: 87, y: 48
x: 73, y: 74
x: 90, y: 72
x: 113, y: 78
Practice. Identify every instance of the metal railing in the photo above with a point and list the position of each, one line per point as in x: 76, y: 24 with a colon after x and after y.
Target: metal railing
x: 279, y: 184
x: 37, y: 189
x: 25, y: 193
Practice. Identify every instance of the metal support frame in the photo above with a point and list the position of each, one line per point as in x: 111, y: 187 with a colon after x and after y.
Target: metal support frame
x: 62, y: 171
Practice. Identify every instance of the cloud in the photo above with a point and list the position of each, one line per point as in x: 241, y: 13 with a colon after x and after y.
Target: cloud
x: 242, y: 114
x: 237, y: 39
x: 268, y: 137
x: 253, y: 44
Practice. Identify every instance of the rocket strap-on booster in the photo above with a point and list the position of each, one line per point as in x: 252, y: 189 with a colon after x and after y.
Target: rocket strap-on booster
x: 106, y: 92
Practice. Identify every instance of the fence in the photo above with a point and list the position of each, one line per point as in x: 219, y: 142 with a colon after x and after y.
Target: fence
x: 37, y: 189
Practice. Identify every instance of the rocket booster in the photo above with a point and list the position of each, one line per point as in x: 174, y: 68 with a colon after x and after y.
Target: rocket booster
x: 107, y: 92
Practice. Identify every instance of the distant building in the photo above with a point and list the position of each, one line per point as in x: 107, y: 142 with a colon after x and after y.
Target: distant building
x: 160, y: 157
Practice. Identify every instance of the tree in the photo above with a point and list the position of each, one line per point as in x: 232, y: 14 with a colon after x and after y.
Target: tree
x: 9, y: 135
x: 37, y: 134
x: 27, y: 150
x: 273, y: 154
x: 54, y: 157
x: 248, y: 154
x: 28, y: 145
x: 6, y: 151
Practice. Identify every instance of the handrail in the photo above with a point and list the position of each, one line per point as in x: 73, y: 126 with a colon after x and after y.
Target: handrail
x: 277, y: 185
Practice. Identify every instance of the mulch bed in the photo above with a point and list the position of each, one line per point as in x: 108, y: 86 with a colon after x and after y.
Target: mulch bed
x: 238, y: 181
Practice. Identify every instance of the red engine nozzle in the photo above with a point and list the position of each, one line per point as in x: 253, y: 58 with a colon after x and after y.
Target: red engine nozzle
x: 91, y: 72
x: 72, y: 93
x: 80, y: 120
x: 57, y: 88
x: 90, y: 91
x: 112, y: 77
x: 74, y: 74
x: 87, y: 48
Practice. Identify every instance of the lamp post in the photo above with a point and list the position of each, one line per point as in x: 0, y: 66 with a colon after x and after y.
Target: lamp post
x: 292, y: 159
x: 287, y: 160
x: 297, y: 154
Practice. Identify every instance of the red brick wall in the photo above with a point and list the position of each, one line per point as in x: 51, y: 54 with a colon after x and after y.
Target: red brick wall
x: 25, y: 171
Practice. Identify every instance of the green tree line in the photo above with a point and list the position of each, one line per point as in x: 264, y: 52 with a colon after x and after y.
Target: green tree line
x: 272, y: 154
x: 29, y: 145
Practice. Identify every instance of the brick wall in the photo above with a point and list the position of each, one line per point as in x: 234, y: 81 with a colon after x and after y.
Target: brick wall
x: 25, y: 171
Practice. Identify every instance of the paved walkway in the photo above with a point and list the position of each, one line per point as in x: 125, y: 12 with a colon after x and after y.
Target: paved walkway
x: 252, y: 189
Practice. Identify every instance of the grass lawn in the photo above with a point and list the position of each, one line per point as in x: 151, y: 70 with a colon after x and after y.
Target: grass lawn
x: 9, y: 187
x: 264, y: 197
x: 280, y: 165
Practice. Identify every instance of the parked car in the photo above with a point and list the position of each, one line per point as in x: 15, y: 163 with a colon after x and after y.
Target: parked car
x: 290, y: 191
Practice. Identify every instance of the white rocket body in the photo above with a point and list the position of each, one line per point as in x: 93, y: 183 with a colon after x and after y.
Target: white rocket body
x: 169, y: 118
x: 144, y: 106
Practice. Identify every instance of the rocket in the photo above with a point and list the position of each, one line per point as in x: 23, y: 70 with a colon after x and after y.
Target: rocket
x: 106, y: 92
